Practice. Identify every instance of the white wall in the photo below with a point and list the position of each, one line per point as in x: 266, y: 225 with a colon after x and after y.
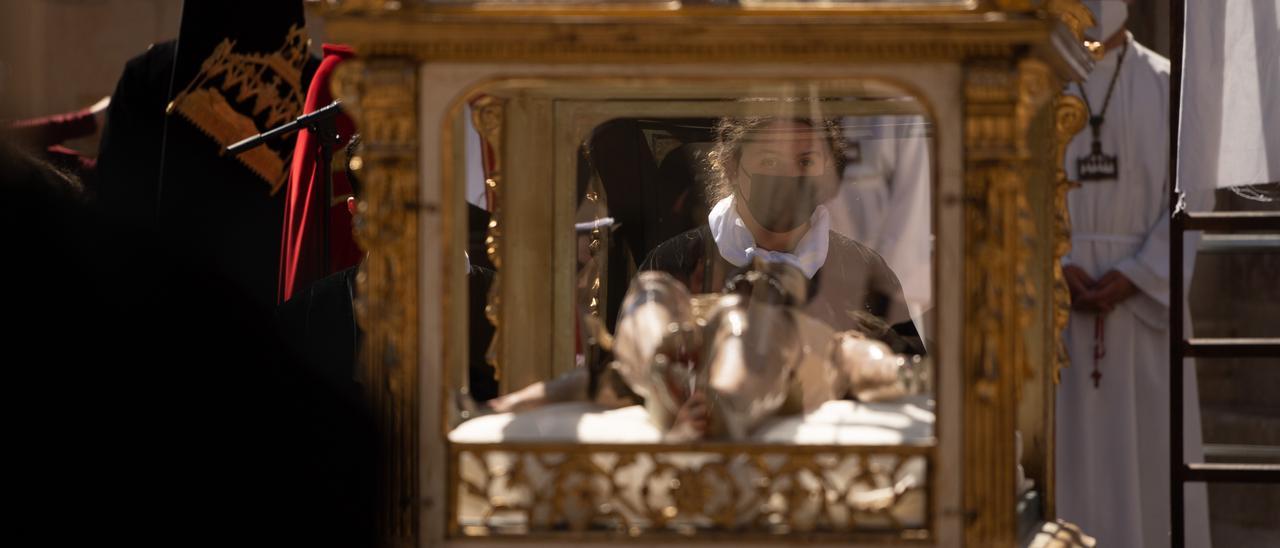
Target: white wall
x: 61, y: 55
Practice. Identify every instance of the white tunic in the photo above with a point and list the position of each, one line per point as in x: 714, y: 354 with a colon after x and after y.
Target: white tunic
x: 884, y: 200
x: 1112, y: 455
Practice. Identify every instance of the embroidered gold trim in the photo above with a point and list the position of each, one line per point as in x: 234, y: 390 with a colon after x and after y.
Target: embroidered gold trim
x: 271, y: 82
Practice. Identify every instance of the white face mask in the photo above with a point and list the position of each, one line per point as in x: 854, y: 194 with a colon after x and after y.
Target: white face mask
x: 1109, y: 16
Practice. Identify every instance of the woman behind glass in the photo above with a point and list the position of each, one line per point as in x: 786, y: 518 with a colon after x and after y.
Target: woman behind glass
x: 770, y: 177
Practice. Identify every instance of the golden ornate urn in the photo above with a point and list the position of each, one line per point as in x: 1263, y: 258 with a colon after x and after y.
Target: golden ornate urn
x: 582, y: 130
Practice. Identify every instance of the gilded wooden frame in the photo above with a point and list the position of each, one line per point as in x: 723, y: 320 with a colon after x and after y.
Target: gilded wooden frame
x: 1013, y: 56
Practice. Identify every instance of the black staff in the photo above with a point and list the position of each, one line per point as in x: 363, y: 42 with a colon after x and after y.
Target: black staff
x: 320, y: 122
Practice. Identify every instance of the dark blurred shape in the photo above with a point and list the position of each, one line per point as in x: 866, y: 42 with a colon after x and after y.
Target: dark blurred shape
x: 649, y: 170
x: 150, y: 404
x: 241, y: 67
x: 482, y: 377
x: 477, y: 231
x: 319, y: 327
x: 47, y: 134
x: 128, y: 170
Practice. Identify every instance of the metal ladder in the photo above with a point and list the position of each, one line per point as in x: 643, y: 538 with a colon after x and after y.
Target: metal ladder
x: 1180, y: 347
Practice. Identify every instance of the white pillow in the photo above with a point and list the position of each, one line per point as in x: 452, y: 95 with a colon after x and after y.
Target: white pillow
x: 909, y: 420
x: 842, y: 422
x: 573, y: 421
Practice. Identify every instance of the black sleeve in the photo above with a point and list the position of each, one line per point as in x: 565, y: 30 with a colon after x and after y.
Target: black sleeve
x: 679, y: 255
x: 905, y: 338
x: 318, y: 328
x: 651, y: 261
x: 128, y: 171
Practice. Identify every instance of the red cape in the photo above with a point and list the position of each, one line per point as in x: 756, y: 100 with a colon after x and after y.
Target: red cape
x: 301, y: 251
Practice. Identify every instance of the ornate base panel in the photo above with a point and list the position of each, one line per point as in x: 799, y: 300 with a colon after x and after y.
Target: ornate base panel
x: 657, y: 491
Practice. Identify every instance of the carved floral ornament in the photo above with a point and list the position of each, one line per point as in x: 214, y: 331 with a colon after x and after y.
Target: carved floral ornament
x: 648, y: 490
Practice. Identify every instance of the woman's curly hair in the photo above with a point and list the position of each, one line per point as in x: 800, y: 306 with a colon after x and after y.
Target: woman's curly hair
x: 727, y: 151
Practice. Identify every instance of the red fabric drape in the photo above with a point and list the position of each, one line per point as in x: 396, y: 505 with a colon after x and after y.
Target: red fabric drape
x: 53, y: 130
x: 301, y: 253
x: 47, y: 134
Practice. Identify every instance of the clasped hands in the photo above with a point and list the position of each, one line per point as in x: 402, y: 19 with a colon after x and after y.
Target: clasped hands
x: 1098, y: 296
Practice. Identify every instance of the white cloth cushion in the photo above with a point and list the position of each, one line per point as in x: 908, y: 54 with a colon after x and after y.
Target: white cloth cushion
x: 580, y: 422
x: 909, y: 421
x: 843, y: 422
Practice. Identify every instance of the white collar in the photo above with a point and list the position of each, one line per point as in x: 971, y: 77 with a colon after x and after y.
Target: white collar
x: 737, y: 245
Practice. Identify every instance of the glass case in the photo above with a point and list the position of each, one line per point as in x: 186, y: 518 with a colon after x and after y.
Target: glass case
x: 693, y: 180
x: 663, y: 271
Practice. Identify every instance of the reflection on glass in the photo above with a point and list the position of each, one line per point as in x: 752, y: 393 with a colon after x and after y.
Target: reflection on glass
x: 769, y: 180
x: 760, y: 273
x: 482, y: 383
x: 738, y: 272
x: 884, y: 201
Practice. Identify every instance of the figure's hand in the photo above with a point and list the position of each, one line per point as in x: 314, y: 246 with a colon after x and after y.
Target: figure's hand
x: 691, y: 420
x: 504, y: 404
x: 1081, y: 286
x: 1112, y: 289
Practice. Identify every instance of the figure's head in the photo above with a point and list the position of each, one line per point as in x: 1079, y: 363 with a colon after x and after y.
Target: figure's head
x: 751, y: 351
x: 781, y: 168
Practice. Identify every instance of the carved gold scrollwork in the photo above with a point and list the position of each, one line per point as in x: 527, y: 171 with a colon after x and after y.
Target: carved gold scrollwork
x: 991, y: 344
x: 1002, y: 101
x: 1036, y: 87
x: 381, y: 95
x: 1072, y: 13
x: 989, y: 126
x: 991, y: 217
x: 487, y: 115
x: 1014, y: 5
x: 597, y: 251
x: 1070, y: 115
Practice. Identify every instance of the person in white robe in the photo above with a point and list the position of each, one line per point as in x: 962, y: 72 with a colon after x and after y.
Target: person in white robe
x: 1112, y: 449
x: 884, y: 200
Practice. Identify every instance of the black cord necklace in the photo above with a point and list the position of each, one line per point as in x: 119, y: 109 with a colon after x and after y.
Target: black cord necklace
x: 1097, y: 166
